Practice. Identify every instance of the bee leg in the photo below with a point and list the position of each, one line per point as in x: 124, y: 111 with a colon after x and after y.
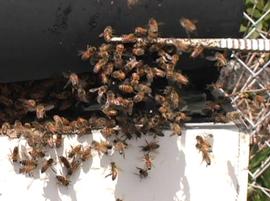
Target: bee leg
x: 108, y: 175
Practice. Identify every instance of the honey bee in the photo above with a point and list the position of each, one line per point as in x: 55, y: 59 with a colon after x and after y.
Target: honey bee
x: 58, y: 140
x: 144, y: 88
x: 176, y: 129
x: 108, y: 69
x: 180, y: 116
x: 5, y: 128
x: 138, y: 51
x: 66, y: 163
x: 41, y: 110
x: 140, y: 31
x: 29, y: 104
x: 63, y: 180
x: 133, y: 63
x: 182, y: 47
x: 152, y: 29
x: 114, y: 171
x: 119, y: 75
x: 107, y: 34
x: 143, y: 173
x: 135, y: 78
x: 15, y: 154
x: 28, y: 168
x: 102, y: 147
x: 109, y: 112
x: 88, y: 53
x: 119, y: 50
x: 75, y: 164
x: 101, y: 92
x: 126, y: 88
x: 75, y: 150
x: 220, y: 58
x: 100, y: 64
x: 129, y: 38
x: 50, y: 126
x: 150, y: 147
x: 188, y: 25
x: 107, y: 132
x: 120, y: 146
x: 86, y: 153
x: 180, y: 78
x: 159, y: 73
x: 139, y: 97
x: 148, y: 161
x: 48, y: 163
x: 197, y: 51
x: 36, y: 153
x: 73, y: 79
x: 203, y: 146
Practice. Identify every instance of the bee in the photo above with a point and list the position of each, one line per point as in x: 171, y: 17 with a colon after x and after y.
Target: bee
x: 148, y: 161
x: 15, y: 154
x: 143, y: 173
x: 36, y: 153
x: 140, y: 31
x: 138, y: 51
x: 73, y: 79
x: 126, y: 88
x: 132, y: 3
x: 197, y: 51
x: 109, y: 112
x: 114, y: 171
x: 149, y: 147
x: 102, y: 147
x: 29, y: 104
x: 58, y: 140
x: 63, y: 180
x: 41, y: 110
x: 182, y: 47
x: 88, y: 53
x: 135, y: 78
x: 100, y: 64
x: 220, y: 59
x: 107, y: 132
x: 107, y: 34
x: 129, y: 38
x: 120, y: 146
x: 119, y: 50
x: 221, y: 118
x: 75, y: 164
x: 133, y: 63
x: 176, y: 129
x: 152, y: 29
x: 48, y: 163
x: 28, y: 168
x: 66, y: 163
x: 139, y: 97
x: 75, y: 150
x: 203, y: 146
x: 180, y: 116
x: 108, y: 69
x: 86, y: 153
x: 159, y: 73
x: 6, y: 101
x: 119, y: 75
x: 101, y: 92
x: 188, y: 25
x: 144, y: 88
x: 180, y: 78
x: 50, y: 127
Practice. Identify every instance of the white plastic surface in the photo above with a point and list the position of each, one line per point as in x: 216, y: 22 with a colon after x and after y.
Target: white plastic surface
x: 178, y: 173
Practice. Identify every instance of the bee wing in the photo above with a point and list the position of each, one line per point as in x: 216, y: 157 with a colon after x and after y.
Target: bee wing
x: 211, y: 58
x: 49, y: 107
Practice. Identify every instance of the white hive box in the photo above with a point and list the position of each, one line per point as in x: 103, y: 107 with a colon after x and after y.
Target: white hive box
x: 178, y: 173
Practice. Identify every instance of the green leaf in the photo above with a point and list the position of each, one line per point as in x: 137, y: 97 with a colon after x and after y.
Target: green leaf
x: 254, y: 12
x: 243, y: 28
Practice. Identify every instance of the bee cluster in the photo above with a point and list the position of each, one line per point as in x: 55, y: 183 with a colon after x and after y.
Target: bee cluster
x: 134, y: 89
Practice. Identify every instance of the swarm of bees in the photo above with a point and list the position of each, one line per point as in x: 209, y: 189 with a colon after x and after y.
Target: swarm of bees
x: 133, y: 89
